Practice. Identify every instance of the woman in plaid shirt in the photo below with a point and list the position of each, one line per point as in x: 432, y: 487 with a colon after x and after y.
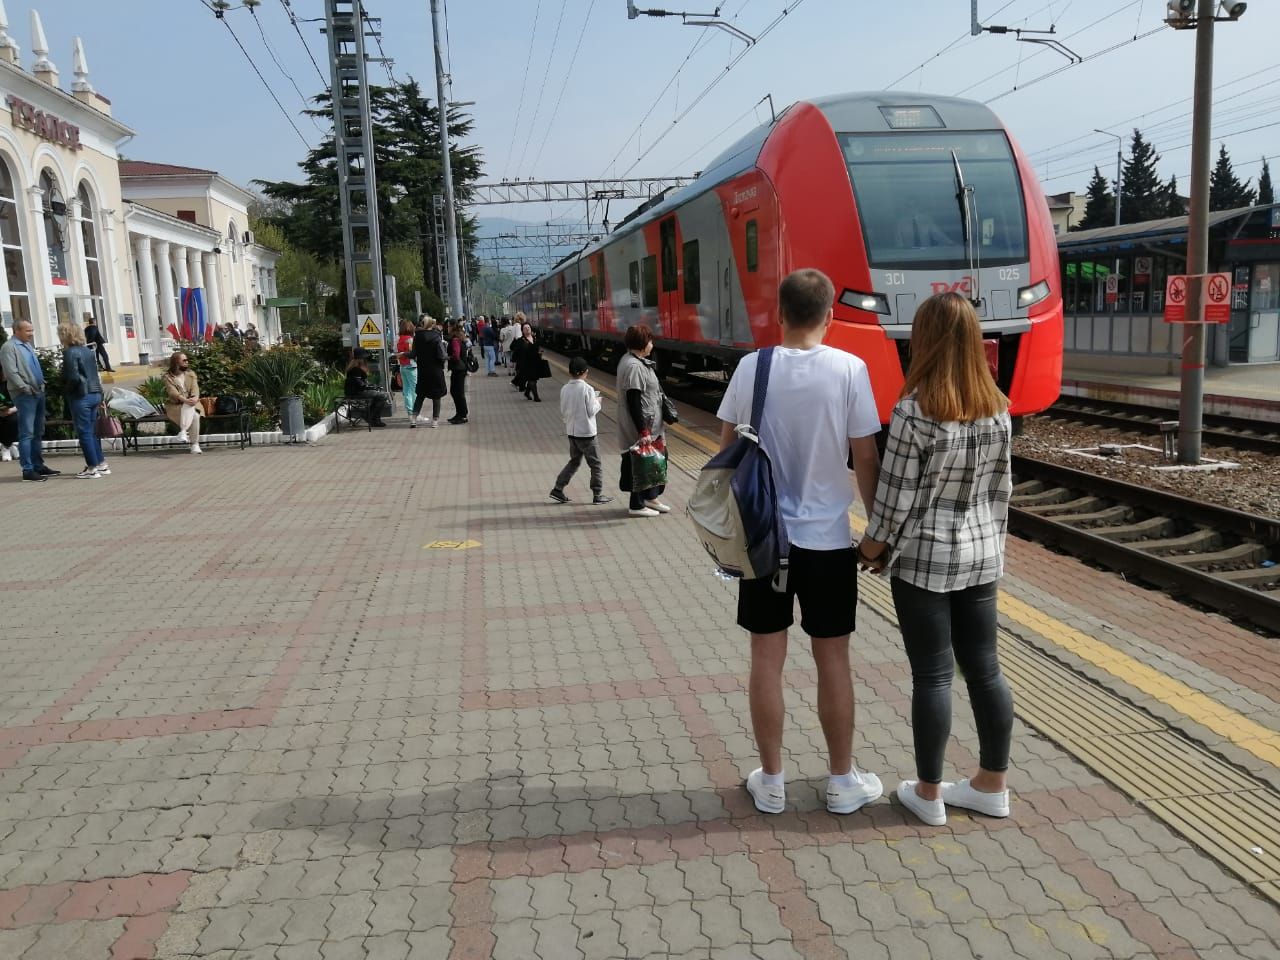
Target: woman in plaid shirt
x: 938, y: 526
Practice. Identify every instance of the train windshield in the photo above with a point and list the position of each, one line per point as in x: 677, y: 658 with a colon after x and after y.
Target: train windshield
x: 905, y: 186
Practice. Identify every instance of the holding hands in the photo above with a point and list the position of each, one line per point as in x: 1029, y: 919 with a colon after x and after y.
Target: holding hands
x: 873, y: 556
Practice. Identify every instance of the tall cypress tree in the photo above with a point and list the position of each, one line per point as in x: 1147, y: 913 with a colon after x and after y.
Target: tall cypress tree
x: 1226, y: 192
x: 1266, y: 194
x: 1100, y: 208
x: 1142, y: 195
x: 1173, y: 205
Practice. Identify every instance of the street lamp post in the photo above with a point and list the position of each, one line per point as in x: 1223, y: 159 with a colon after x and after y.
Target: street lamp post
x: 454, y: 280
x: 1119, y: 158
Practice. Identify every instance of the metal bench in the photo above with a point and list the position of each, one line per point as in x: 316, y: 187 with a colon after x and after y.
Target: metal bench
x: 356, y: 410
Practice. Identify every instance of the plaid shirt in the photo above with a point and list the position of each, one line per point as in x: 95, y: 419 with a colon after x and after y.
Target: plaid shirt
x: 942, y: 504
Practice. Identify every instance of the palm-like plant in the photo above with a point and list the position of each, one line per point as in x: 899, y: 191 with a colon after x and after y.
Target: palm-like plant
x: 281, y: 372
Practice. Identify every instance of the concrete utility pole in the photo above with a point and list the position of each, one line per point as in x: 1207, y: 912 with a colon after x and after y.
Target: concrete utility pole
x: 1119, y: 165
x: 1191, y: 401
x: 451, y: 217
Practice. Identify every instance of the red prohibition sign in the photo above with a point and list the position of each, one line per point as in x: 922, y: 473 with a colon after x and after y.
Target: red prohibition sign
x: 1178, y: 290
x: 1218, y: 290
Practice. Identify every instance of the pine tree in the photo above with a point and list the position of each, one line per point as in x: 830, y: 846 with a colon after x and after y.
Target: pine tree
x: 1100, y: 208
x: 1142, y: 195
x: 1266, y: 194
x: 1173, y: 205
x: 1226, y: 192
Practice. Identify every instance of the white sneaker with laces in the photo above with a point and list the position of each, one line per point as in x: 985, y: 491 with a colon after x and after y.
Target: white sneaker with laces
x: 104, y: 470
x: 195, y: 448
x: 182, y: 437
x: 963, y: 795
x: 432, y: 423
x: 657, y: 505
x: 766, y: 798
x: 6, y: 455
x: 866, y: 788
x: 931, y: 812
x: 643, y: 512
x: 87, y: 474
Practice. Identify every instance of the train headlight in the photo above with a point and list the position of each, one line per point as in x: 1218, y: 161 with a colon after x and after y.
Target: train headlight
x: 871, y: 302
x: 1028, y: 296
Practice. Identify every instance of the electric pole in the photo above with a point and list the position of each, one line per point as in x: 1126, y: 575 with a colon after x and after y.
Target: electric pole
x: 451, y: 217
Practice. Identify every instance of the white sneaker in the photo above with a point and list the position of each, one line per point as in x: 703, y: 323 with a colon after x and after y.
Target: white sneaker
x: 643, y: 512
x: 866, y: 787
x: 931, y: 812
x: 766, y: 798
x: 87, y: 474
x: 195, y: 448
x: 182, y: 437
x: 103, y: 469
x: 432, y: 423
x: 963, y: 795
x: 6, y: 455
x: 657, y: 505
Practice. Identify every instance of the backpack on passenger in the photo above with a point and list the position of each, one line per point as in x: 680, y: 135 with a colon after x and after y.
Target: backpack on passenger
x: 734, y: 505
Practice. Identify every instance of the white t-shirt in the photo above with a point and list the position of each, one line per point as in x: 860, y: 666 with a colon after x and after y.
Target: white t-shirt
x: 817, y: 400
x: 579, y: 404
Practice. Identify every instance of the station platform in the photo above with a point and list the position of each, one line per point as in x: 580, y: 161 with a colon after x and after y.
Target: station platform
x: 379, y: 697
x: 1250, y: 390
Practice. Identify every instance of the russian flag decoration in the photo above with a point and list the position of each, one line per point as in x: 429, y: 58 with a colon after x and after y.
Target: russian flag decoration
x: 194, y: 328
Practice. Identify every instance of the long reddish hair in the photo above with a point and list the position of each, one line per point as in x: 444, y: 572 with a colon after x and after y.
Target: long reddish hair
x: 949, y: 373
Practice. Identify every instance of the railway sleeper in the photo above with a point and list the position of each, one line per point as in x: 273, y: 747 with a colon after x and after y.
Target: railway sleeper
x: 1256, y: 577
x: 1030, y: 502
x: 1198, y: 541
x: 1242, y: 554
x: 1151, y: 529
x: 1026, y: 488
x: 1064, y: 507
x: 1106, y: 519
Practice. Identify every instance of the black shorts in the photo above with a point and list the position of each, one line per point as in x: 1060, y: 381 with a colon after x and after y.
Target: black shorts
x: 826, y: 583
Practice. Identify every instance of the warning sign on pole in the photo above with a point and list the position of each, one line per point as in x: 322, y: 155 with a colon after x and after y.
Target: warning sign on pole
x: 369, y: 331
x: 1113, y: 287
x: 1175, y: 299
x: 1217, y: 298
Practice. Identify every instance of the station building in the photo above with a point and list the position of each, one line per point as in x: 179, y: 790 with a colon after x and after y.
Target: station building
x: 1126, y: 331
x: 83, y: 231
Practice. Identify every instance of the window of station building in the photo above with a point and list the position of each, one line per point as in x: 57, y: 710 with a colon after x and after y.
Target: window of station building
x: 692, y: 273
x: 667, y: 238
x: 633, y: 278
x: 11, y: 242
x: 649, y: 275
x: 753, y: 246
x: 188, y: 215
x: 89, y: 244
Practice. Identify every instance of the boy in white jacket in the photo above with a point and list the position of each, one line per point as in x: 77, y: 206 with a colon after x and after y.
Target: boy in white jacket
x: 579, y: 404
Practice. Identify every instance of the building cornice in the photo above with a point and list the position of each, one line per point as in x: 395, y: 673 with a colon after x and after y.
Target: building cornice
x: 37, y: 91
x: 135, y: 211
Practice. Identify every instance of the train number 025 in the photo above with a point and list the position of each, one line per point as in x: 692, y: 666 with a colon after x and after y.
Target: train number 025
x: 1010, y: 273
x: 893, y: 278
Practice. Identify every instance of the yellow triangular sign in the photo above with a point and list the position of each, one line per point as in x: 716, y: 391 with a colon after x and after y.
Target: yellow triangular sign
x: 369, y: 327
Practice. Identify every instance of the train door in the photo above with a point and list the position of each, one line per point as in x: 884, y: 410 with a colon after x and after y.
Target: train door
x: 1264, y: 313
x: 724, y: 300
x: 669, y: 281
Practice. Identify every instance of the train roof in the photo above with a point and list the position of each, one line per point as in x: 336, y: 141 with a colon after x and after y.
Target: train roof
x: 857, y: 111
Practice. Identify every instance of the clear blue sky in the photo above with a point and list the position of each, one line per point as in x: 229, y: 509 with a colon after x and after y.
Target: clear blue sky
x: 174, y: 73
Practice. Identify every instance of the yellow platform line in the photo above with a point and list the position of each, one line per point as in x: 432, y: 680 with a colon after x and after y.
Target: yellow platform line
x: 1230, y: 724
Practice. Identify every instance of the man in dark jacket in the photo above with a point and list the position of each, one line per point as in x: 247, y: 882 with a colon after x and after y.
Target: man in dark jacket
x: 97, y: 342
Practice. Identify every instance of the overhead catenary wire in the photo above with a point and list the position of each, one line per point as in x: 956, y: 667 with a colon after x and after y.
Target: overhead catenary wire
x: 265, y: 84
x: 293, y: 19
x: 542, y: 88
x: 524, y: 86
x: 1068, y: 66
x: 279, y: 66
x: 555, y: 111
x: 947, y: 49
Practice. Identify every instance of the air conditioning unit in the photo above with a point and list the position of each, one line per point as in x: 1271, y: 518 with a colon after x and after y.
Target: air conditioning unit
x: 238, y: 300
x: 248, y: 237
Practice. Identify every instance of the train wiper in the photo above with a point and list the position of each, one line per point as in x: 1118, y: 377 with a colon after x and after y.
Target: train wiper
x: 965, y: 195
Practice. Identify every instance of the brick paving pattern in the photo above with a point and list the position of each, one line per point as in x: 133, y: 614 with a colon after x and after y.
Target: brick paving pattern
x: 246, y: 713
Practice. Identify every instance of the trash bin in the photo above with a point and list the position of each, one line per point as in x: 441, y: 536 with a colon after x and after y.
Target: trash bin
x: 291, y: 422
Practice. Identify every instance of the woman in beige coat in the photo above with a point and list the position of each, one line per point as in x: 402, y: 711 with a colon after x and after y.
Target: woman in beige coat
x: 183, y: 403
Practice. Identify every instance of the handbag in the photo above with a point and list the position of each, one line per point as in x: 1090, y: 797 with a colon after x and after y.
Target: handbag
x: 669, y: 412
x: 543, y: 370
x: 208, y: 405
x: 648, y: 459
x: 396, y: 382
x: 108, y: 426
x: 470, y: 361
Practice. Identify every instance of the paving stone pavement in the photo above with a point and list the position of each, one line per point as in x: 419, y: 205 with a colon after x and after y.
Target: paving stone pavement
x: 250, y: 712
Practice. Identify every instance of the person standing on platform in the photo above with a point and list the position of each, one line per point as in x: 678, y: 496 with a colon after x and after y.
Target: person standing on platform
x: 639, y: 415
x: 408, y: 369
x: 430, y: 353
x: 8, y: 423
x: 507, y: 336
x: 819, y: 411
x: 530, y: 364
x: 182, y: 405
x: 938, y: 526
x: 579, y: 404
x: 458, y: 373
x: 84, y: 397
x: 25, y: 382
x: 96, y: 342
x: 489, y: 342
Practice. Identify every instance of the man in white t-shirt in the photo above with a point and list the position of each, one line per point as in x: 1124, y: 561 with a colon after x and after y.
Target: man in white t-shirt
x: 818, y: 411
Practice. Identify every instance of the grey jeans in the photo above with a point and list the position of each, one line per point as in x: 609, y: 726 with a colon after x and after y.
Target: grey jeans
x: 940, y: 630
x: 580, y: 447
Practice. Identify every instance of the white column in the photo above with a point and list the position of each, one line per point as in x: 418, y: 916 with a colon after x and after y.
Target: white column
x: 211, y: 290
x: 75, y: 255
x: 195, y: 260
x: 179, y: 255
x: 149, y: 335
x: 43, y: 316
x: 274, y: 311
x: 168, y: 306
x: 113, y: 298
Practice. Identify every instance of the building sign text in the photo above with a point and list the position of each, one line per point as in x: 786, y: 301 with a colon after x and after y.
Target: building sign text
x: 43, y: 125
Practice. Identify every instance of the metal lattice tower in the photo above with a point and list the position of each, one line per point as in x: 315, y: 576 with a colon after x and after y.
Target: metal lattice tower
x: 442, y: 269
x: 353, y: 136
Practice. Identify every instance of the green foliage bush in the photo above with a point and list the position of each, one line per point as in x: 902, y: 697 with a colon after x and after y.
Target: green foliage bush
x: 318, y: 397
x: 153, y: 389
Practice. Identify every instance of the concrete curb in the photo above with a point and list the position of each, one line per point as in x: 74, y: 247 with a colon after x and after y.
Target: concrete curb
x: 263, y: 438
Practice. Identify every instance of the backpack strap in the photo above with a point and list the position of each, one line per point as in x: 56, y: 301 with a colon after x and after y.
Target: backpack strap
x: 764, y: 361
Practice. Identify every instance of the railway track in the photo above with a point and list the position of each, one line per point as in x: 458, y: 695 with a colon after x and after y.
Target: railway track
x: 1221, y: 431
x: 1222, y: 558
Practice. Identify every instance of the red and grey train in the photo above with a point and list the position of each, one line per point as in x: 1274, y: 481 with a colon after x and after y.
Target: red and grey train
x: 893, y: 196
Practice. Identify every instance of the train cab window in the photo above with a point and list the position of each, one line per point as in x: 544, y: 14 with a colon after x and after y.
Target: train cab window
x: 649, y: 274
x: 753, y: 246
x: 670, y: 269
x: 692, y: 273
x: 633, y: 275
